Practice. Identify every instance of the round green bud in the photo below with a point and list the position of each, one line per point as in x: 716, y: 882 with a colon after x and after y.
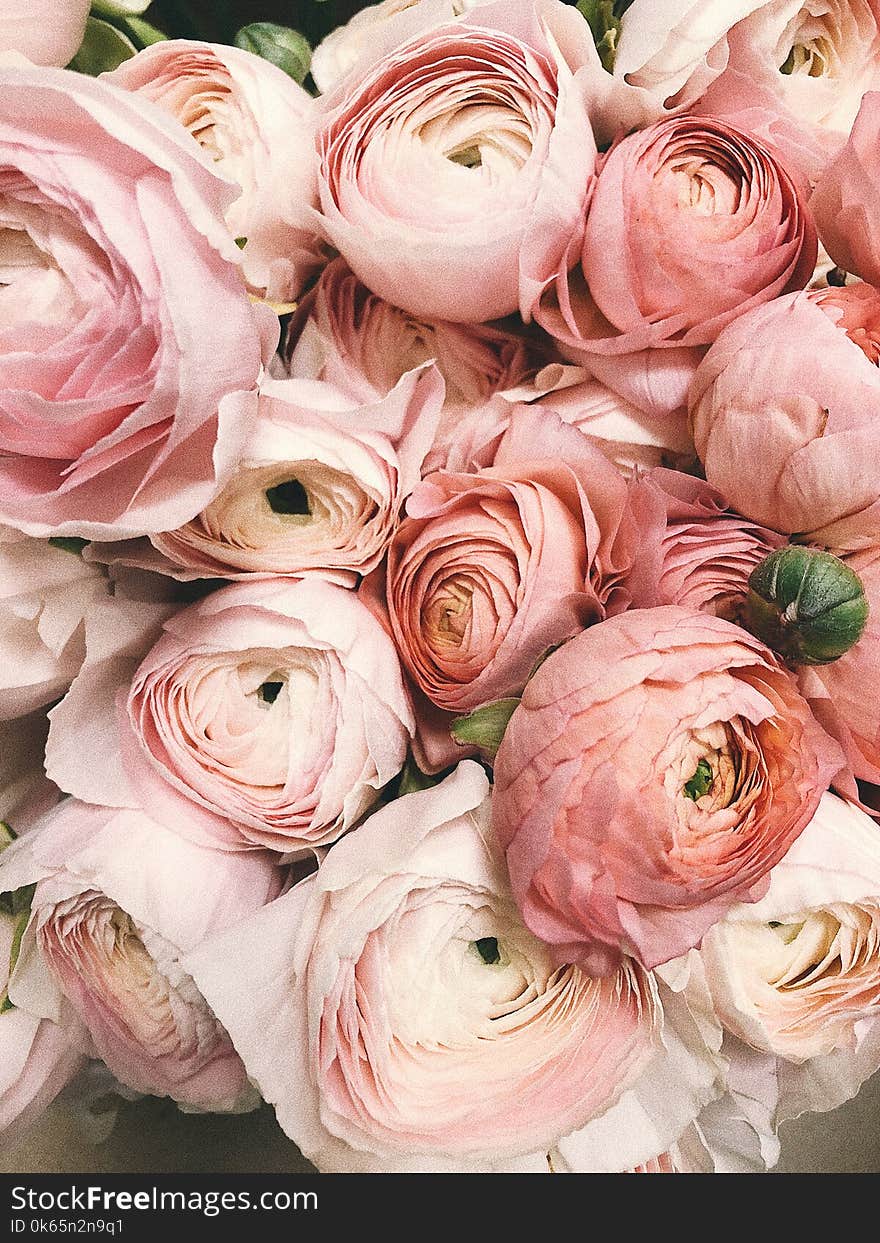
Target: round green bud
x: 806, y: 604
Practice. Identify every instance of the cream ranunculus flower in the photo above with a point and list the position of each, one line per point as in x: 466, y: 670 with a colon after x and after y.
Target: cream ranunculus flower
x: 797, y: 976
x: 319, y: 488
x: 119, y: 900
x: 399, y: 1016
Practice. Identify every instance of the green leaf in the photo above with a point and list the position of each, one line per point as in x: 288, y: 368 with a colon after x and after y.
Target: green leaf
x: 280, y: 45
x: 103, y: 48
x: 485, y: 727
x: 7, y: 834
x: 68, y: 543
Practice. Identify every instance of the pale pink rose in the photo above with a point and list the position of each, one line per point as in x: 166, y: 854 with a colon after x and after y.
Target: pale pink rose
x: 46, y: 593
x: 790, y: 389
x: 257, y: 125
x: 836, y: 691
x: 693, y: 549
x: 48, y: 32
x: 320, y: 487
x: 401, y: 1018
x: 467, y: 146
x: 129, y: 351
x: 628, y: 436
x: 659, y: 765
x: 845, y: 201
x: 797, y: 976
x: 793, y: 72
x: 676, y: 210
x: 119, y: 901
x: 489, y: 570
x: 338, y: 53
x: 271, y: 713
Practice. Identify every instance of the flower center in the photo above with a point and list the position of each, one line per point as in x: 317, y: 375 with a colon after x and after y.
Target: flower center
x: 487, y: 949
x: 813, y: 58
x: 269, y: 691
x: 450, y: 611
x: 289, y: 497
x: 700, y: 783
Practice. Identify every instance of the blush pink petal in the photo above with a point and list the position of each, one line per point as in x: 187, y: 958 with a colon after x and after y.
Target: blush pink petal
x: 607, y: 853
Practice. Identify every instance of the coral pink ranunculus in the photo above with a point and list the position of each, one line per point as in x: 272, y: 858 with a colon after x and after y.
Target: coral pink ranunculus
x: 489, y: 570
x: 782, y: 410
x: 467, y: 149
x: 659, y: 765
x: 257, y: 125
x: 693, y: 549
x: 846, y: 199
x: 691, y: 223
x: 129, y: 351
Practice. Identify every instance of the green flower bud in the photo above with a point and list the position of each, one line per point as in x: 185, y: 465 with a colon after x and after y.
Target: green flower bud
x: 806, y: 604
x: 286, y: 48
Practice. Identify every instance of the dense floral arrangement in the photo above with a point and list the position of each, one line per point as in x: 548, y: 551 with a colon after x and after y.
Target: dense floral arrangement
x: 440, y: 575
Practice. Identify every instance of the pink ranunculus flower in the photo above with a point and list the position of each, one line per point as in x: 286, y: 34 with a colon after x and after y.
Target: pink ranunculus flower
x: 792, y: 71
x: 693, y: 549
x: 790, y: 390
x: 467, y: 146
x: 47, y: 593
x: 692, y: 222
x: 129, y: 351
x: 119, y: 901
x: 271, y: 713
x: 489, y: 570
x: 348, y: 337
x: 48, y: 32
x: 659, y: 765
x: 257, y: 125
x: 836, y: 691
x: 846, y: 201
x: 320, y: 487
x: 797, y: 976
x: 401, y: 1018
x: 630, y: 437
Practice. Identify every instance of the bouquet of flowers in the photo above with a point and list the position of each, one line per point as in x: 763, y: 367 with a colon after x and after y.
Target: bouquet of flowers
x: 440, y: 574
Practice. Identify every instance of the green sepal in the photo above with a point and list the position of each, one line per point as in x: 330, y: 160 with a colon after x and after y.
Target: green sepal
x: 485, y: 727
x: 104, y: 47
